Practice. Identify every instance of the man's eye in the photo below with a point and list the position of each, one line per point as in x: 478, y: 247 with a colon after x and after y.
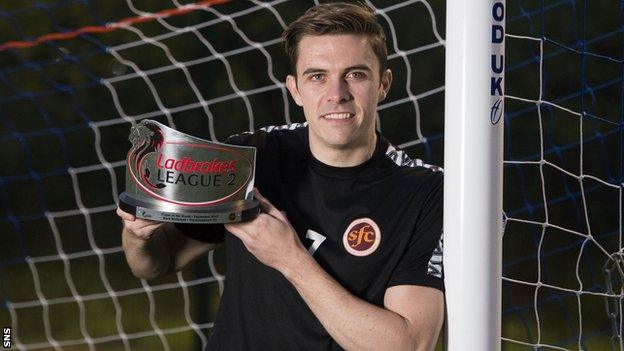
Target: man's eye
x: 316, y: 77
x: 357, y: 75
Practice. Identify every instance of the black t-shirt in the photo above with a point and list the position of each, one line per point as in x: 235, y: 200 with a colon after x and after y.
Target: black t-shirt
x: 371, y: 226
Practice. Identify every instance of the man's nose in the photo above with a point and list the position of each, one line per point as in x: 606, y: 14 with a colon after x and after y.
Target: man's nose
x: 338, y: 91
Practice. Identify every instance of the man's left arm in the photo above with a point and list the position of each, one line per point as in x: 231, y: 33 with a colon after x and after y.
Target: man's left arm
x: 410, y: 320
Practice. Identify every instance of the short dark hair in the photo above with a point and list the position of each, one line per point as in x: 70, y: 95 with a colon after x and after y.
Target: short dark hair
x: 336, y: 18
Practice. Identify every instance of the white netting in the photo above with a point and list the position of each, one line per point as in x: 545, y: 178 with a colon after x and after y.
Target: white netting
x: 562, y: 276
x: 67, y: 105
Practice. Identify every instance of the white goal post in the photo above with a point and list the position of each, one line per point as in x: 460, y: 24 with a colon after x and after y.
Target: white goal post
x: 473, y: 179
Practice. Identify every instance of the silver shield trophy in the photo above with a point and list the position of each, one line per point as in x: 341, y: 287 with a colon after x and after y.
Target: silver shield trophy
x: 175, y: 177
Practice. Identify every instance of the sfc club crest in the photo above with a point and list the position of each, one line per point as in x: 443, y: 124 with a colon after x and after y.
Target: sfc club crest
x: 172, y: 176
x: 362, y: 237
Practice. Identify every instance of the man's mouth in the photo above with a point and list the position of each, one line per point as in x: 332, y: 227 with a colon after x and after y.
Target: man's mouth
x: 338, y: 116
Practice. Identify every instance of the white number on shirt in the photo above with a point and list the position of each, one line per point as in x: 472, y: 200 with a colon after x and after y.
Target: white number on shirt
x: 317, y: 239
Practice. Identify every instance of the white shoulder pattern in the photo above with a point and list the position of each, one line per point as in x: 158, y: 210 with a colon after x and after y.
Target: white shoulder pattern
x: 291, y: 126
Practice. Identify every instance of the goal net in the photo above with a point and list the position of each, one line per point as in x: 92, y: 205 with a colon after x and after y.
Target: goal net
x: 562, y: 268
x: 76, y: 75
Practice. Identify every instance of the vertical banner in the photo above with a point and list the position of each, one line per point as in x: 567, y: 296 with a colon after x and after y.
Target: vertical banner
x: 473, y: 176
x: 497, y: 65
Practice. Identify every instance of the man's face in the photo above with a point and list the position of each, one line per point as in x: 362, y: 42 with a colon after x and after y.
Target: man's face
x: 338, y: 85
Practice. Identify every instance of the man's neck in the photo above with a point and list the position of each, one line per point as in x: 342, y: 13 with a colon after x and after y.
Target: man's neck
x: 344, y: 157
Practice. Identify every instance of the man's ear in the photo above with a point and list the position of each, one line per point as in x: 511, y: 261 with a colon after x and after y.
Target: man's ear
x: 386, y: 81
x: 291, y: 84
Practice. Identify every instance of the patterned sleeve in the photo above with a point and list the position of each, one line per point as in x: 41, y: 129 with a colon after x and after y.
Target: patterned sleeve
x: 422, y: 262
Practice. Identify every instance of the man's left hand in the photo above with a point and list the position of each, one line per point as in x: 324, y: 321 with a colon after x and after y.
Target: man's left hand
x: 269, y: 237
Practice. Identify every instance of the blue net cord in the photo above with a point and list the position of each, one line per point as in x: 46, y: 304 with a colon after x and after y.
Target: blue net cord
x: 599, y: 132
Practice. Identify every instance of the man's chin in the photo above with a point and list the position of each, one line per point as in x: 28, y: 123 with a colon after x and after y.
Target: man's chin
x: 340, y: 143
x: 339, y: 138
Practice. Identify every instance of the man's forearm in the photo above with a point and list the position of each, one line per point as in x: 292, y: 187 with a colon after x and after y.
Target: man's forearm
x: 167, y: 251
x: 354, y: 323
x: 147, y: 258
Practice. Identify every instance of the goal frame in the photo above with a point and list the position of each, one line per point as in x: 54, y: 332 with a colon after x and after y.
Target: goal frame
x: 473, y: 178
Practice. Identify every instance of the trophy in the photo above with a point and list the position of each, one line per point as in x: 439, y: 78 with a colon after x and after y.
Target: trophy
x: 175, y: 177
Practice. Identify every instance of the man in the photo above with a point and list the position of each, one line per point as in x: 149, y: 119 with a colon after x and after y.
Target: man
x: 343, y: 254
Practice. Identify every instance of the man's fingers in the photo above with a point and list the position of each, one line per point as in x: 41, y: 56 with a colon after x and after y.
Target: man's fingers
x: 125, y: 215
x: 140, y: 227
x: 143, y: 229
x: 141, y: 223
x: 237, y: 230
x: 267, y: 206
x: 152, y: 226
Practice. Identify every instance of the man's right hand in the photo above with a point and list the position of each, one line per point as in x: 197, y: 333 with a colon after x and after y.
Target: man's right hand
x: 154, y: 248
x: 143, y: 229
